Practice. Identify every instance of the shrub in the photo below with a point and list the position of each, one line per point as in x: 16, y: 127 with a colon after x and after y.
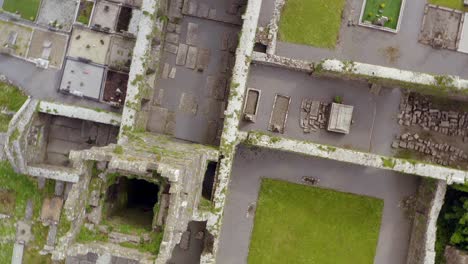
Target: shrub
x: 338, y: 99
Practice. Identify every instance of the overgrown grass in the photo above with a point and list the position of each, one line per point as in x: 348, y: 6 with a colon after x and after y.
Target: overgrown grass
x: 86, y: 7
x: 455, y: 4
x: 311, y: 22
x: 388, y: 8
x: 11, y: 99
x: 24, y: 188
x: 313, y: 225
x: 27, y: 8
x: 6, y: 251
x: 86, y: 236
x: 152, y: 247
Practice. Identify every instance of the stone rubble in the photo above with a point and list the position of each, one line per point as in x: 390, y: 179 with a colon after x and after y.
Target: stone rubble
x: 313, y: 115
x: 439, y: 153
x: 418, y: 110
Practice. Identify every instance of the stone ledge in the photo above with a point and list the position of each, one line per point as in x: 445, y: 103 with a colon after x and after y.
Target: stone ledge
x: 71, y: 111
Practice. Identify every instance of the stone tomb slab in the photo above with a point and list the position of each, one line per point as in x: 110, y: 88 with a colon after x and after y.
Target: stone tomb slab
x: 188, y: 104
x: 203, y: 59
x: 157, y: 119
x: 172, y: 38
x: 192, y: 57
x: 192, y: 34
x: 181, y: 54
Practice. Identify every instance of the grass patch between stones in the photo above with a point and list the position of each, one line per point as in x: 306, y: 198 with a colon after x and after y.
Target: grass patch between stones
x: 388, y: 8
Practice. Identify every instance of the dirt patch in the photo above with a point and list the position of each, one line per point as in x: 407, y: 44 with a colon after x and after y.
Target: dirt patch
x: 7, y: 201
x: 124, y: 19
x: 115, y: 88
x: 392, y: 54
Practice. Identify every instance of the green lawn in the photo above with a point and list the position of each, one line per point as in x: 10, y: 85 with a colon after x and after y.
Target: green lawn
x: 455, y: 4
x: 388, y: 8
x: 311, y: 22
x: 27, y: 8
x: 313, y: 225
x: 11, y: 99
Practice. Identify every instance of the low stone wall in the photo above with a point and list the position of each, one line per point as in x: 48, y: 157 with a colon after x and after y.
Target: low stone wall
x: 16, y: 140
x: 448, y: 175
x: 442, y: 85
x: 282, y: 62
x: 423, y: 233
x: 71, y: 111
x: 273, y: 26
x: 447, y: 85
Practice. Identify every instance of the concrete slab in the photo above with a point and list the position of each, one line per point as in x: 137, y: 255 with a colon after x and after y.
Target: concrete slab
x: 105, y: 15
x: 62, y: 11
x: 83, y: 79
x: 55, y: 42
x: 120, y: 53
x: 23, y: 35
x: 89, y: 44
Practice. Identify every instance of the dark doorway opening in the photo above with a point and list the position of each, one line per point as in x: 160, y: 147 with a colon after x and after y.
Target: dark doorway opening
x: 208, y: 180
x: 259, y: 47
x: 124, y: 19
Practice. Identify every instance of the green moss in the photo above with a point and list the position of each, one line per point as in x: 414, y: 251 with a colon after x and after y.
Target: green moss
x: 86, y: 236
x: 64, y: 225
x: 388, y: 162
x: 14, y: 135
x: 118, y: 150
x: 205, y: 205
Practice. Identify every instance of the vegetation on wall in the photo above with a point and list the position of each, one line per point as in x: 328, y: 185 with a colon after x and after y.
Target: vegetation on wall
x: 452, y: 225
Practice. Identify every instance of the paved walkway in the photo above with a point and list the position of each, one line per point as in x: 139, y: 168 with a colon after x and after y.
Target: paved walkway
x: 375, y: 125
x: 368, y: 45
x: 40, y: 83
x: 251, y: 165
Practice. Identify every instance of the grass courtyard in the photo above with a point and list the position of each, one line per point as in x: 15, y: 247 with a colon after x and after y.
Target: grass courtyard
x: 27, y: 8
x: 388, y: 8
x: 313, y: 225
x: 455, y: 4
x: 311, y: 22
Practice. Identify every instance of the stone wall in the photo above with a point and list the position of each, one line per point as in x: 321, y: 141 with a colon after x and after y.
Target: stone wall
x: 182, y: 164
x: 423, y: 233
x: 144, y: 67
x: 72, y: 111
x: 443, y: 85
x: 448, y: 175
x: 229, y: 137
